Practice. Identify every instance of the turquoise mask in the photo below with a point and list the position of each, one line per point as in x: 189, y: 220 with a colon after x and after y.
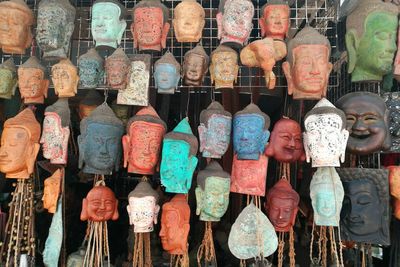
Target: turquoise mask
x: 53, y: 243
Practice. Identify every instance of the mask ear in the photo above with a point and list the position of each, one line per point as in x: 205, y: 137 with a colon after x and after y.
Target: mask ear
x: 330, y: 66
x: 31, y: 157
x: 156, y: 211
x: 199, y: 199
x: 164, y: 35
x: 192, y: 166
x: 121, y: 32
x: 135, y: 42
x: 212, y: 73
x: 115, y: 214
x: 343, y: 150
x: 269, y: 150
x: 351, y: 45
x: 125, y: 144
x: 219, y: 24
x: 84, y: 215
x: 236, y: 72
x: 288, y: 74
x: 45, y: 87
x: 202, y: 136
x: 263, y: 26
x: 264, y: 141
x: 305, y: 142
x: 81, y: 146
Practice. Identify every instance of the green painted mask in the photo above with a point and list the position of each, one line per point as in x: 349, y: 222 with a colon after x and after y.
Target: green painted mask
x: 8, y: 79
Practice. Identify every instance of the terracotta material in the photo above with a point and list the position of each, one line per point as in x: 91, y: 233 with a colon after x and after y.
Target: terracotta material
x: 91, y: 101
x: 275, y: 19
x: 65, y: 78
x: 52, y: 186
x: 100, y: 205
x: 394, y: 181
x: 8, y: 79
x: 117, y: 67
x: 189, y: 21
x: 224, y: 67
x: 91, y: 69
x: 19, y: 145
x: 195, y: 66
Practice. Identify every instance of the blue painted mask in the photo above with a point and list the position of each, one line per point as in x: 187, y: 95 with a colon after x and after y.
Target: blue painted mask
x: 178, y: 160
x: 91, y: 70
x: 167, y: 74
x: 250, y: 132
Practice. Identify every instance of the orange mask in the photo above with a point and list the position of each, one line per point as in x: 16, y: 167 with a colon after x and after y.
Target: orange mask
x: 51, y: 191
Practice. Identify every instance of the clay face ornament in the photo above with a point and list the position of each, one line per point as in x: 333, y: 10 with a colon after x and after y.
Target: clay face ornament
x: 16, y: 19
x: 100, y: 205
x: 100, y: 141
x: 250, y: 132
x: 189, y: 21
x: 214, y: 130
x: 195, y: 66
x: 394, y: 181
x: 31, y: 81
x: 51, y: 191
x: 55, y: 25
x: 117, y: 68
x: 224, y: 67
x: 56, y: 132
x: 19, y: 145
x: 275, y: 19
x: 371, y: 40
x: 65, y: 78
x: 150, y: 25
x: 167, y: 73
x: 234, y: 19
x: 325, y: 136
x: 108, y: 23
x: 91, y: 69
x: 175, y: 225
x: 307, y: 67
x: 286, y: 144
x: 143, y: 209
x: 212, y: 192
x: 178, y: 160
x: 365, y: 212
x: 142, y: 143
x: 367, y: 122
x: 8, y: 79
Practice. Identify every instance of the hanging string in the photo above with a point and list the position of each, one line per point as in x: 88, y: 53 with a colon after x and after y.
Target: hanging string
x: 281, y: 244
x: 324, y: 245
x: 206, y: 249
x: 292, y: 254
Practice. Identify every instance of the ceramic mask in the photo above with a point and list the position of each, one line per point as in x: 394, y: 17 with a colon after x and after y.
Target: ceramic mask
x: 189, y: 21
x: 365, y: 214
x: 252, y: 235
x: 56, y: 132
x: 325, y: 136
x: 235, y: 21
x: 52, y: 186
x: 16, y: 20
x: 31, y: 81
x: 91, y: 70
x: 250, y: 132
x: 224, y: 67
x: 143, y: 208
x: 167, y: 73
x: 51, y: 252
x: 281, y: 205
x: 100, y: 141
x: 195, y: 66
x: 100, y: 205
x: 214, y: 130
x: 178, y: 160
x: 394, y: 181
x: 175, y: 225
x: 307, y: 67
x: 91, y: 101
x: 8, y: 79
x: 212, y: 192
x: 19, y: 145
x: 142, y: 143
x: 392, y: 101
x: 275, y: 19
x: 117, y: 68
x: 371, y: 31
x: 150, y: 25
x: 367, y: 122
x: 65, y: 78
x: 121, y: 111
x: 108, y: 23
x: 55, y: 25
x: 326, y: 192
x: 286, y: 144
x: 137, y: 90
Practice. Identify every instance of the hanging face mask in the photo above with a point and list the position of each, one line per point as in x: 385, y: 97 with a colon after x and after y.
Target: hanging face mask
x: 275, y: 19
x: 195, y: 66
x: 224, y: 67
x: 167, y: 73
x: 117, y: 69
x: 65, y: 78
x: 8, y: 79
x: 52, y: 186
x: 188, y: 21
x: 108, y: 208
x: 91, y: 70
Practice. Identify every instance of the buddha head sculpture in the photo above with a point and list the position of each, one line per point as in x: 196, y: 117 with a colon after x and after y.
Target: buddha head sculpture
x: 178, y: 160
x: 117, y: 68
x: 286, y: 144
x: 100, y: 141
x: 371, y: 31
x: 19, y: 145
x: 16, y: 20
x: 189, y: 21
x: 142, y: 142
x: 51, y: 191
x: 32, y: 83
x: 195, y: 66
x: 307, y: 67
x: 91, y: 69
x: 100, y: 205
x: 325, y: 135
x: 235, y: 21
x: 150, y: 25
x: 8, y: 78
x: 275, y: 19
x: 367, y: 122
x: 212, y: 192
x: 167, y: 73
x: 121, y: 111
x: 175, y: 225
x: 249, y: 176
x: 224, y: 67
x: 55, y: 25
x: 326, y: 193
x: 65, y: 78
x: 394, y: 181
x: 91, y: 101
x: 365, y: 213
x: 250, y: 132
x: 214, y: 130
x: 108, y: 23
x: 56, y: 132
x: 282, y: 205
x: 143, y: 208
